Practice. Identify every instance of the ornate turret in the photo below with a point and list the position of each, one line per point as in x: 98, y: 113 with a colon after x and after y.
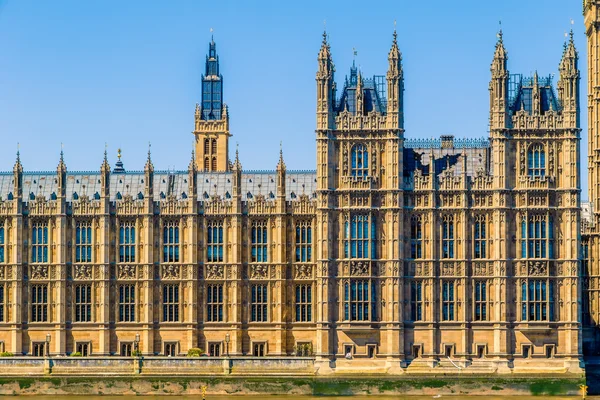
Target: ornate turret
x: 149, y: 176
x: 395, y: 86
x: 211, y: 128
x: 499, y: 87
x: 237, y: 174
x: 325, y: 86
x: 18, y: 177
x: 61, y: 171
x: 568, y: 84
x: 105, y: 176
x: 193, y: 177
x: 281, y: 175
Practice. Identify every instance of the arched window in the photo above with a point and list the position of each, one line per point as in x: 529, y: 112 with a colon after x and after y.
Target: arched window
x: 537, y: 236
x: 213, y: 146
x: 360, y: 161
x: 359, y: 237
x: 214, y: 163
x: 536, y: 161
x: 416, y: 237
x: 206, y: 146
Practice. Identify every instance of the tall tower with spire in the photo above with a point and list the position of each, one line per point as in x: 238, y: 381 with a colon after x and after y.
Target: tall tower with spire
x: 211, y: 130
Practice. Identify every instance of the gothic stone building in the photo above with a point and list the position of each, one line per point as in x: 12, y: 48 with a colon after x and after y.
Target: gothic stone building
x: 402, y: 252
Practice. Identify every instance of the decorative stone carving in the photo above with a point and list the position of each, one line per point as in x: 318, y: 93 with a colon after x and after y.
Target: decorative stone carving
x: 126, y: 272
x: 359, y: 268
x: 481, y: 269
x: 303, y: 272
x: 447, y: 269
x: 82, y: 272
x: 39, y: 272
x: 537, y: 268
x: 259, y: 272
x: 1, y: 272
x: 214, y: 272
x: 170, y: 272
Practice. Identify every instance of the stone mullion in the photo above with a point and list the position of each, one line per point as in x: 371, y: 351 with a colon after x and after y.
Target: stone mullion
x: 189, y: 275
x: 15, y: 264
x: 57, y: 241
x: 147, y: 266
x: 234, y: 307
x: 101, y: 311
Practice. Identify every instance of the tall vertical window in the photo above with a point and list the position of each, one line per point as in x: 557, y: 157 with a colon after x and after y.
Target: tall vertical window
x: 171, y: 303
x: 303, y: 242
x: 214, y: 303
x: 39, y: 242
x: 259, y: 303
x: 171, y: 242
x: 127, y: 303
x: 481, y: 298
x: 360, y: 161
x: 304, y: 303
x: 480, y: 237
x: 1, y: 244
x: 416, y: 237
x: 206, y: 163
x: 214, y: 163
x: 448, y: 302
x: 259, y: 238
x: 207, y: 141
x: 83, y: 242
x: 214, y: 242
x: 585, y: 258
x: 213, y: 146
x: 537, y: 237
x: 359, y: 235
x: 537, y: 300
x: 39, y: 303
x: 416, y: 300
x: 83, y: 303
x: 2, y: 302
x: 127, y: 242
x: 536, y: 160
x: 448, y: 236
x: 359, y: 300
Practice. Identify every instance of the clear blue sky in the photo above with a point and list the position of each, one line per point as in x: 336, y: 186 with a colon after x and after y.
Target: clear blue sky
x: 128, y: 72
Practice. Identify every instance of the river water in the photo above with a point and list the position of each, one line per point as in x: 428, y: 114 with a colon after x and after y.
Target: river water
x: 373, y: 397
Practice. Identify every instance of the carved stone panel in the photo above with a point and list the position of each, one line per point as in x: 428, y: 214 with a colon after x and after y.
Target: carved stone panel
x: 303, y: 272
x: 259, y: 271
x: 82, y: 272
x: 126, y: 272
x: 170, y: 272
x: 39, y: 272
x: 214, y: 272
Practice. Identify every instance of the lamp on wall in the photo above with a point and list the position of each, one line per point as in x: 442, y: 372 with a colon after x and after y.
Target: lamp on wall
x: 48, y: 338
x: 227, y: 339
x: 137, y: 342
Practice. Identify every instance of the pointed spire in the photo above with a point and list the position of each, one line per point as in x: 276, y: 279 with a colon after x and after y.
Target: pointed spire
x: 61, y: 163
x: 237, y: 165
x: 325, y: 63
x: 18, y: 167
x: 149, y: 167
x: 281, y: 163
x: 105, y: 167
x: 394, y: 56
x: 192, y: 165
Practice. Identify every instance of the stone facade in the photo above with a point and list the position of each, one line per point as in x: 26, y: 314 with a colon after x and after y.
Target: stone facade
x: 402, y: 253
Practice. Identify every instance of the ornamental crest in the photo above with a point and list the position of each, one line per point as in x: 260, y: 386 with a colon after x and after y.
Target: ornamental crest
x: 303, y: 272
x: 259, y: 272
x: 39, y: 272
x: 82, y: 272
x: 537, y: 268
x: 126, y: 272
x: 359, y: 268
x: 170, y: 272
x: 215, y: 272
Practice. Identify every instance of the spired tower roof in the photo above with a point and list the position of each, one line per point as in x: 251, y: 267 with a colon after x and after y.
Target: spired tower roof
x: 522, y: 92
x: 373, y: 90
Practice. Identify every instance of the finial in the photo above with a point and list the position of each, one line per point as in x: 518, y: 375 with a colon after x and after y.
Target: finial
x: 395, y: 34
x: 499, y: 34
x: 237, y: 151
x: 119, y: 153
x: 18, y: 153
x: 324, y: 34
x: 62, y: 146
x: 211, y: 35
x: 149, y: 146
